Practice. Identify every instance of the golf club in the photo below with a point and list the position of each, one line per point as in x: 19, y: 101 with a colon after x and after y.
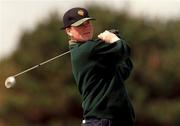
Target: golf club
x: 11, y: 81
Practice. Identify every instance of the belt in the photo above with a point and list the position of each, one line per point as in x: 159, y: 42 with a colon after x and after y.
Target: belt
x: 84, y: 121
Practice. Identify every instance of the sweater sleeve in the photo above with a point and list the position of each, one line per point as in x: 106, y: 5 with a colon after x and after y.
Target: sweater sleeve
x: 118, y: 50
x: 125, y: 68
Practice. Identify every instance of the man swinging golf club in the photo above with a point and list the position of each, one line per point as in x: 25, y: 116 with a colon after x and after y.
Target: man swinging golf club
x: 100, y: 68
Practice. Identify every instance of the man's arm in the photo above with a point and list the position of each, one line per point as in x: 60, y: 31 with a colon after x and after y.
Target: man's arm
x: 125, y: 68
x: 110, y: 45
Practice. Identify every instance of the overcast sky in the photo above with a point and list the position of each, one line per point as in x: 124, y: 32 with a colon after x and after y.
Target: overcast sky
x: 16, y: 15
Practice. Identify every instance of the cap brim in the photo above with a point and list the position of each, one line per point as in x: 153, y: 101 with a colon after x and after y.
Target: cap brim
x: 77, y: 23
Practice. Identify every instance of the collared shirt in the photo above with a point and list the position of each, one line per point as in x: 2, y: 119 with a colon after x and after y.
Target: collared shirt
x: 71, y: 42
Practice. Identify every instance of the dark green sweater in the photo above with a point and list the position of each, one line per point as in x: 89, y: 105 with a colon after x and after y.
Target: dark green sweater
x: 100, y: 70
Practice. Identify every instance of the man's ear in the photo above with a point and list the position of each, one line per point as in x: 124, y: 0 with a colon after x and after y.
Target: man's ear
x: 68, y: 31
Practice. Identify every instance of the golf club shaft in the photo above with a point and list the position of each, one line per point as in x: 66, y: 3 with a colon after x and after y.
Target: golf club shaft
x: 42, y: 63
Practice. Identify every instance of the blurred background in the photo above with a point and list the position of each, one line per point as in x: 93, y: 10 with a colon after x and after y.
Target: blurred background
x: 30, y: 33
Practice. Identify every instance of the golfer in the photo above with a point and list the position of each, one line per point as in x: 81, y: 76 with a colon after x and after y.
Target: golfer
x: 100, y: 68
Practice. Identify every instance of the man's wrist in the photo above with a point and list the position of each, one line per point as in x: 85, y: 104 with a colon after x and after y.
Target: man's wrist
x: 114, y: 39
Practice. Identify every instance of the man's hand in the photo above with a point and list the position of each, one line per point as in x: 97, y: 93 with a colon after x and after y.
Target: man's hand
x: 108, y: 37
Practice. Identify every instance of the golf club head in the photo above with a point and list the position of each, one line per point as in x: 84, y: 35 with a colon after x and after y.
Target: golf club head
x: 10, y: 82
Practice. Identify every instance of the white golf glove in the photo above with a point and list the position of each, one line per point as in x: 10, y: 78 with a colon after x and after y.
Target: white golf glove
x: 108, y: 37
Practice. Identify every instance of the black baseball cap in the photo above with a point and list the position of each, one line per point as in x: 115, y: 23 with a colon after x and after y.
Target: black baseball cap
x: 75, y: 17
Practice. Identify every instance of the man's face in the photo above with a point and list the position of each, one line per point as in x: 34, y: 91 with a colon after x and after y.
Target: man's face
x: 81, y: 33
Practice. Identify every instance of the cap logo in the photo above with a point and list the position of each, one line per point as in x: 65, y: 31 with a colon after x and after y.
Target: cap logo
x: 80, y: 12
